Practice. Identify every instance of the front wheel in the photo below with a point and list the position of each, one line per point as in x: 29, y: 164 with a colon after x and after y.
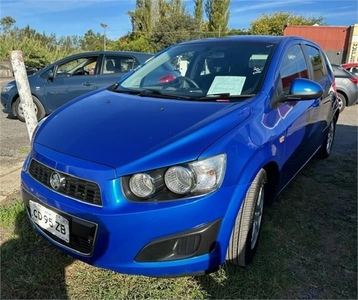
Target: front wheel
x: 18, y: 110
x: 245, y: 234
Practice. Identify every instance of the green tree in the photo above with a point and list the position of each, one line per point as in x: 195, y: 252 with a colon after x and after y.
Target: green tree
x: 238, y: 32
x: 217, y: 12
x: 275, y: 23
x: 176, y: 7
x: 141, y: 17
x: 198, y: 11
x: 91, y: 41
x: 140, y: 44
x: 173, y: 29
x: 6, y: 23
x: 38, y: 50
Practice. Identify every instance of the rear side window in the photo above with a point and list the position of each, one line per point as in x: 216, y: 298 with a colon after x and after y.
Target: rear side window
x: 317, y: 62
x: 119, y: 64
x: 293, y: 66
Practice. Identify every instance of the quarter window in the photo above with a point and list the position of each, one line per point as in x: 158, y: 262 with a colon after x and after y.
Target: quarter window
x: 294, y: 66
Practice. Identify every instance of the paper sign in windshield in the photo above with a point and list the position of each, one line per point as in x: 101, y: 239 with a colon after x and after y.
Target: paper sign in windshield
x: 227, y: 84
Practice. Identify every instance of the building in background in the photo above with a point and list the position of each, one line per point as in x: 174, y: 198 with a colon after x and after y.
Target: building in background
x: 339, y: 42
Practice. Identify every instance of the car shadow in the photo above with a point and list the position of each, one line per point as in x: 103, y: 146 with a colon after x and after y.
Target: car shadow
x: 30, y: 267
x: 11, y: 117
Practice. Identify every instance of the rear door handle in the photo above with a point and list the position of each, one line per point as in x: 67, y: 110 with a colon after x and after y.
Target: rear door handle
x: 88, y: 83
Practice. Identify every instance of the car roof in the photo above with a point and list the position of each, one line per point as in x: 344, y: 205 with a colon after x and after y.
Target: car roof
x: 110, y: 53
x: 248, y: 38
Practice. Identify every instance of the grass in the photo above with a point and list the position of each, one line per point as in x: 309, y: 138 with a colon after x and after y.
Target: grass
x: 24, y: 150
x: 308, y: 249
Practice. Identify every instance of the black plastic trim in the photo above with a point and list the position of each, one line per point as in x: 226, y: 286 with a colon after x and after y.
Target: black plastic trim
x: 202, y: 239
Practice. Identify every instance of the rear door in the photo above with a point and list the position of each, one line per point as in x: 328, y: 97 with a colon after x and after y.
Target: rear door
x: 320, y: 72
x: 112, y: 67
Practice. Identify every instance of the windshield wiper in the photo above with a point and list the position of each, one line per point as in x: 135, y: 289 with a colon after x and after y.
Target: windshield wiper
x: 159, y: 94
x: 150, y: 93
x: 223, y: 97
x: 147, y: 92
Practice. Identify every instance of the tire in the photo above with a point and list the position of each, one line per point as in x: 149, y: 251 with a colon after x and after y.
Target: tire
x: 245, y: 234
x: 18, y: 111
x: 342, y: 101
x: 326, y: 147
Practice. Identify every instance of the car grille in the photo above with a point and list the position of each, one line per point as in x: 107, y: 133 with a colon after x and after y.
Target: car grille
x: 73, y: 187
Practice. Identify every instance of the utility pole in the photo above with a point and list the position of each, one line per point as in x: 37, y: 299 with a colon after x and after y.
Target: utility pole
x: 23, y: 87
x: 104, y: 26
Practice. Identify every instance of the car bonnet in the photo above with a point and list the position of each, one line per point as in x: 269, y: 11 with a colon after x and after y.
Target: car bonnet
x: 132, y: 133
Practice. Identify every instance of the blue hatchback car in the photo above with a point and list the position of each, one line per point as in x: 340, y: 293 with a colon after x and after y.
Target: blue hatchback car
x: 171, y: 178
x: 69, y: 78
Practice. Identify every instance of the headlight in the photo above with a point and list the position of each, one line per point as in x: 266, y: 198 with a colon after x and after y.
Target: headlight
x: 194, y: 178
x: 179, y: 180
x: 142, y: 185
x: 7, y: 87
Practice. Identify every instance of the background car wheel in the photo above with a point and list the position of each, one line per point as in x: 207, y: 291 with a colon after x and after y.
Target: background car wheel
x: 19, y: 112
x: 341, y: 101
x: 326, y: 147
x: 244, y: 237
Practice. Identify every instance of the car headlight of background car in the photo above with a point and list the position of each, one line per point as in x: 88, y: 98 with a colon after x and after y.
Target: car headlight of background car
x: 175, y: 182
x: 7, y: 87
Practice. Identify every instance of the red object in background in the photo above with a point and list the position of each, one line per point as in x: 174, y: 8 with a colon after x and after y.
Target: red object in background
x: 353, y: 68
x: 166, y: 78
x: 354, y: 80
x: 349, y: 65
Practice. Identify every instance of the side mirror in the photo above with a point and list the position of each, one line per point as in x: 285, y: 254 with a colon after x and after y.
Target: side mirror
x: 304, y: 89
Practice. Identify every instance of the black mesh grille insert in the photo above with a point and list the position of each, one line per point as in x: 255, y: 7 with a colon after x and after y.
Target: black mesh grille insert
x: 71, y: 186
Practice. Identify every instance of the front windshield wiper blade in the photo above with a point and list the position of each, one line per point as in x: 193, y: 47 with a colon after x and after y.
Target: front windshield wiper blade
x: 223, y: 97
x: 150, y: 93
x: 160, y: 94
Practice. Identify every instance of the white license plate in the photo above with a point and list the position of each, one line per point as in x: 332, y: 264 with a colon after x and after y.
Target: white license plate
x: 50, y: 221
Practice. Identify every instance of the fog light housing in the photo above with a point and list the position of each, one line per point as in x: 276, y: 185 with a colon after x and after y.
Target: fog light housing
x: 197, y: 241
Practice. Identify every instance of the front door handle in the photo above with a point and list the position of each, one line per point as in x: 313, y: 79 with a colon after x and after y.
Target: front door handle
x: 88, y: 83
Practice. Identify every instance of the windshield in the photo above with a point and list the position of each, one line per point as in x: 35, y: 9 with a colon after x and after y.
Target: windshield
x: 202, y: 70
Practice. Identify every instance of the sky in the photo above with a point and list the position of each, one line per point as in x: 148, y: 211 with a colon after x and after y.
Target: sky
x: 76, y: 17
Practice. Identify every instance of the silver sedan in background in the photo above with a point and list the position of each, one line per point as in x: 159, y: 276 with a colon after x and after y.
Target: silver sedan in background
x: 347, y: 86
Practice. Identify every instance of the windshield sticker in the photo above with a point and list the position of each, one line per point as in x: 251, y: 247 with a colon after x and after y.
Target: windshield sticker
x: 227, y: 84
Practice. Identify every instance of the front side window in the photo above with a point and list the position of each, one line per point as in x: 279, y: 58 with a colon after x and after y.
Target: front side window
x: 203, y: 70
x: 317, y: 62
x: 293, y: 66
x: 76, y: 67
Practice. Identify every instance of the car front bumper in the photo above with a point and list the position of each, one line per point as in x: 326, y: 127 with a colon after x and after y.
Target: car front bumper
x: 6, y: 101
x: 169, y: 238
